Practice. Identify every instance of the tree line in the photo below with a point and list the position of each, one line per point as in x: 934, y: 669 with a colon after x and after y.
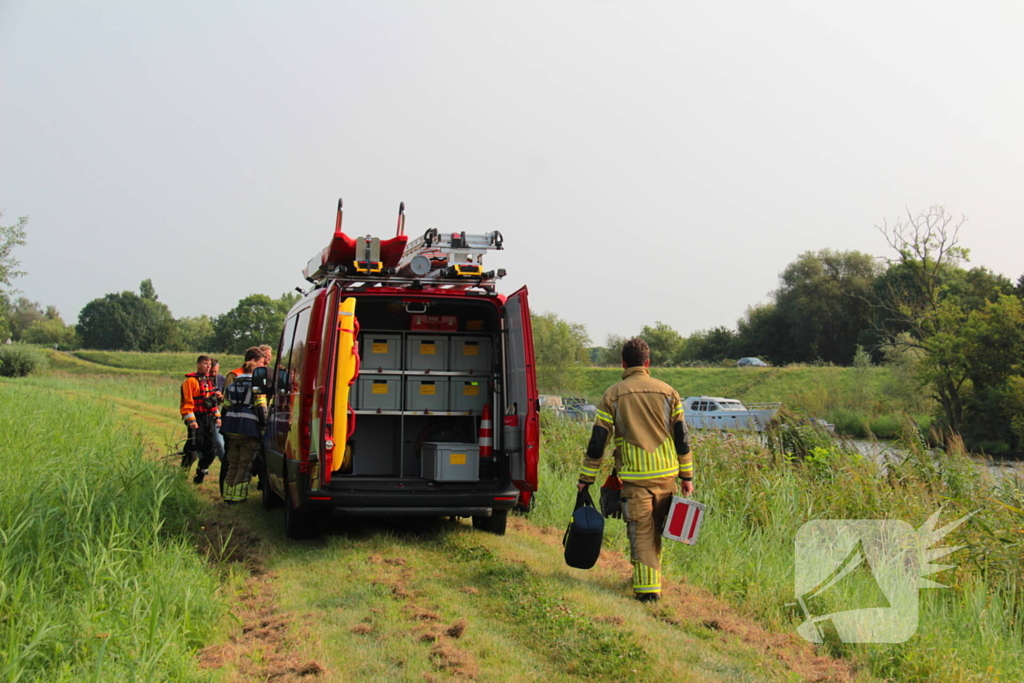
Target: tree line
x: 960, y: 328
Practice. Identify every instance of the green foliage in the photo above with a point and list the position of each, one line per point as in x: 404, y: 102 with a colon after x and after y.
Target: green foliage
x: 611, y: 353
x: 11, y: 236
x: 48, y: 332
x: 665, y: 343
x: 18, y: 360
x: 823, y: 299
x: 125, y: 322
x: 193, y: 334
x: 560, y: 348
x: 709, y: 346
x: 257, y: 319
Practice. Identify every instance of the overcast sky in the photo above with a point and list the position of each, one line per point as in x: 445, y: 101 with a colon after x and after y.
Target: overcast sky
x: 645, y: 161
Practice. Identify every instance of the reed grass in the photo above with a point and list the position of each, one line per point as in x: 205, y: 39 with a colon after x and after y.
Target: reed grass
x: 758, y: 497
x: 98, y: 578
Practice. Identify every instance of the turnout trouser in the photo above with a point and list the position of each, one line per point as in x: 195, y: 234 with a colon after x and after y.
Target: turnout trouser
x: 645, y: 505
x: 240, y: 453
x: 201, y: 443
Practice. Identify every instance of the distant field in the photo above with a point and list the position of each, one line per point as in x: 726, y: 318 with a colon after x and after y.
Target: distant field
x: 858, y: 400
x: 176, y: 364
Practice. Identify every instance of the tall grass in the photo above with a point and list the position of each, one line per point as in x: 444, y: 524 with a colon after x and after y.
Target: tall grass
x: 759, y: 498
x: 98, y: 581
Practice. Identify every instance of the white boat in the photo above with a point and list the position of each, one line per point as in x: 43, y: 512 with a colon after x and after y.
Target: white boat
x: 727, y: 414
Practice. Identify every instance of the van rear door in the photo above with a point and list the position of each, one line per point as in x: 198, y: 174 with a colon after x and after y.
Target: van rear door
x: 521, y: 385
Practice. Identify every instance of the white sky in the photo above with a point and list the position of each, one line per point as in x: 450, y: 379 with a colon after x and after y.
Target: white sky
x: 644, y: 160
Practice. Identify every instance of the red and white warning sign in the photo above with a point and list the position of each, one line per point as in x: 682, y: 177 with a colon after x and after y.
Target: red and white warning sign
x: 684, y: 520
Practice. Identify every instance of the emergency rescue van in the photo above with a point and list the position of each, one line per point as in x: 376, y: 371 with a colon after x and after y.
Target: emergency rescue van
x: 404, y: 385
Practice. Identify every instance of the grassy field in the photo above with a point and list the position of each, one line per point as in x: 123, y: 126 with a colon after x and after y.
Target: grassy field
x: 861, y: 402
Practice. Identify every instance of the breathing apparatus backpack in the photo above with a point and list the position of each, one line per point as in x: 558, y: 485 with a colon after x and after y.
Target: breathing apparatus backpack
x: 239, y: 416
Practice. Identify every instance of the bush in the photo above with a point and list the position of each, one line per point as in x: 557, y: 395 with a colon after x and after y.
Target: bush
x: 18, y: 360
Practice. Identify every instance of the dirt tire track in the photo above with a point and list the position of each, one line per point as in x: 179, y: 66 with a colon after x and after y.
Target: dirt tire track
x: 264, y: 646
x: 686, y: 606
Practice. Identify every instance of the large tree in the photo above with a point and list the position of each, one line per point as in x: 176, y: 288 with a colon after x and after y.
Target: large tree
x: 824, y: 302
x: 256, y: 319
x: 928, y: 302
x: 125, y: 322
x: 665, y: 343
x: 11, y: 236
x: 560, y: 349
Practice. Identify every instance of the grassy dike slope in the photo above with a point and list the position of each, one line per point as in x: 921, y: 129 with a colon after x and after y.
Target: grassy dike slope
x: 859, y: 401
x: 424, y: 602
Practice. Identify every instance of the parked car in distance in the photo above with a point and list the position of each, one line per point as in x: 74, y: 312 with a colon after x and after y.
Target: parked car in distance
x: 751, y: 363
x: 579, y: 409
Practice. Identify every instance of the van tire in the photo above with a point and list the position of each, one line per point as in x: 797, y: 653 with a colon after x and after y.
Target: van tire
x: 494, y: 524
x: 269, y: 499
x: 297, y: 525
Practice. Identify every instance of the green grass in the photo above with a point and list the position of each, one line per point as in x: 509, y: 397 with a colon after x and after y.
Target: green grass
x: 98, y: 578
x: 173, y: 364
x: 758, y: 500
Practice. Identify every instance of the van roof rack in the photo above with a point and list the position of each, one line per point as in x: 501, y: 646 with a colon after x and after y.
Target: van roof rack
x: 437, y: 260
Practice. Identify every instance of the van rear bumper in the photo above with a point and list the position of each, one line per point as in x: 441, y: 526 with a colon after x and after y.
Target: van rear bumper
x: 407, y: 501
x: 412, y: 512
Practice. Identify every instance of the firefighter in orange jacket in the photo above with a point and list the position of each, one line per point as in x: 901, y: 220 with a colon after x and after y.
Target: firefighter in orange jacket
x: 652, y: 453
x: 201, y: 415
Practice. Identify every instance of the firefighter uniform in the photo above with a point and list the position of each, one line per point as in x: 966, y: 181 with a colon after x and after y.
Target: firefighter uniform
x: 244, y: 413
x: 200, y: 413
x: 644, y: 418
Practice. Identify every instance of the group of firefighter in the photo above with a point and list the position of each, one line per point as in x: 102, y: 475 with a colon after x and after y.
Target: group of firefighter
x: 225, y: 418
x: 640, y: 415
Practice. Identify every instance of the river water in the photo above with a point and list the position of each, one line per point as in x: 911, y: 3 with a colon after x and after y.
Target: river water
x: 883, y: 451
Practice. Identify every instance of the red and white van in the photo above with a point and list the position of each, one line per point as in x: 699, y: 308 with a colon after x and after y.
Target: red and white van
x: 441, y: 417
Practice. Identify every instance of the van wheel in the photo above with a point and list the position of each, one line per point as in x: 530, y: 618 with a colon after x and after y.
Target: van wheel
x: 269, y: 499
x: 297, y: 525
x: 494, y: 524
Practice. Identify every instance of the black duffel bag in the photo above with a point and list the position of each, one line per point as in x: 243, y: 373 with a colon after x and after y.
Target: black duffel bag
x: 582, y: 538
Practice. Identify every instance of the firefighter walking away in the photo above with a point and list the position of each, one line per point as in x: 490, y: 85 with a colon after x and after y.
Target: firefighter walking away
x: 644, y: 418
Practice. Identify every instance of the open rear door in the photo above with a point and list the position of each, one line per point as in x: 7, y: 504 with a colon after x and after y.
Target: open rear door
x: 521, y: 384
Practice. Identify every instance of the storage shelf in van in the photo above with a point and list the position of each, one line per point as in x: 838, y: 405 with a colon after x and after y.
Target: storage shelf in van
x: 440, y: 373
x: 417, y: 412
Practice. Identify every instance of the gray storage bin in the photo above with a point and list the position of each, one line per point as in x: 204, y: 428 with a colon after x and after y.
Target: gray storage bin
x: 426, y: 352
x: 380, y: 352
x: 466, y: 393
x: 426, y: 392
x: 471, y: 354
x: 378, y: 392
x: 442, y: 461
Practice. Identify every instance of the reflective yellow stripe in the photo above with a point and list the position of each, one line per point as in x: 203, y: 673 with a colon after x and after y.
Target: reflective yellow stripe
x: 639, y: 464
x: 645, y: 579
x: 606, y: 417
x: 590, y: 471
x: 677, y: 411
x: 686, y: 468
x: 651, y: 474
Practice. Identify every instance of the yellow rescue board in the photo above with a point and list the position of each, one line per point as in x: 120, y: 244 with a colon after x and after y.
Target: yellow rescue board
x: 345, y: 375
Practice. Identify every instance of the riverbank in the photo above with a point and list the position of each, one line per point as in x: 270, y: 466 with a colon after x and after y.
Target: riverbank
x: 758, y: 499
